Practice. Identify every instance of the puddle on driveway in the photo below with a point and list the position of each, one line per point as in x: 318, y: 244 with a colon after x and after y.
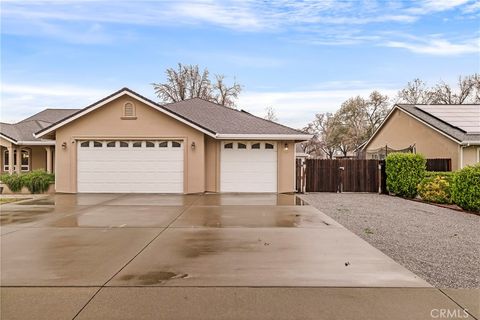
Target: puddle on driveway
x: 21, y: 217
x: 38, y: 202
x: 154, y: 277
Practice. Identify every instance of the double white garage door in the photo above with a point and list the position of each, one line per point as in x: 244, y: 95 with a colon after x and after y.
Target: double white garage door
x: 156, y: 166
x: 130, y: 166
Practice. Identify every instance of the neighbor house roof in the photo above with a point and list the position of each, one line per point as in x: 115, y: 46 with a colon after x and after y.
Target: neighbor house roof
x: 459, y: 122
x: 23, y: 132
x: 212, y: 119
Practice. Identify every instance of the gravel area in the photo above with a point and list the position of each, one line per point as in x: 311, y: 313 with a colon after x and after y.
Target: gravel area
x: 440, y: 245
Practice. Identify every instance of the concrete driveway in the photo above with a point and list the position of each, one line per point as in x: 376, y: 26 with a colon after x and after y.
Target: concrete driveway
x: 117, y: 256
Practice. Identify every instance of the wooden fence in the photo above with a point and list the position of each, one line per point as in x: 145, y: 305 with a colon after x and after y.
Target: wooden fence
x: 343, y: 175
x: 439, y: 165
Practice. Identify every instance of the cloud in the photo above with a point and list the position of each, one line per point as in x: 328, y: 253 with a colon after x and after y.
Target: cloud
x: 19, y: 101
x: 297, y: 108
x: 438, y: 46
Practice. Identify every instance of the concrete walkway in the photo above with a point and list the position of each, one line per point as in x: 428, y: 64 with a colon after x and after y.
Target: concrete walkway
x: 199, y: 256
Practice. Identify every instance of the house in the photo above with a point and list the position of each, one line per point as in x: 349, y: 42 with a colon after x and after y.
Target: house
x: 300, y: 152
x: 128, y: 143
x: 436, y: 131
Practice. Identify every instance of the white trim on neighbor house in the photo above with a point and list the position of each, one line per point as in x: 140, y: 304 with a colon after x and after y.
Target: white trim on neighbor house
x: 7, y: 138
x: 411, y: 115
x: 36, y: 143
x: 302, y: 137
x: 118, y: 95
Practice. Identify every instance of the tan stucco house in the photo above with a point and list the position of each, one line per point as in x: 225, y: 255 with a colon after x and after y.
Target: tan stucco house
x: 128, y: 143
x: 436, y: 131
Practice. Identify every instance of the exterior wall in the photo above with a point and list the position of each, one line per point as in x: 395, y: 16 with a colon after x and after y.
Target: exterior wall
x: 38, y: 158
x: 106, y: 123
x: 212, y: 164
x: 402, y: 130
x: 471, y: 155
x: 286, y: 166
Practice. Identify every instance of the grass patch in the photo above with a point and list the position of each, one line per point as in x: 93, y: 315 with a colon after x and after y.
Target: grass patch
x: 368, y: 231
x: 8, y: 200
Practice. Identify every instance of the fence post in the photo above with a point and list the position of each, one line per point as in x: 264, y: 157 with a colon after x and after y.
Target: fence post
x: 379, y: 178
x: 340, y: 174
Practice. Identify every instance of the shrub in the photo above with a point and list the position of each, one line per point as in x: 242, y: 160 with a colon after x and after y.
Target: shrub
x: 37, y: 181
x: 435, y: 188
x: 466, y: 188
x: 13, y: 181
x: 404, y: 172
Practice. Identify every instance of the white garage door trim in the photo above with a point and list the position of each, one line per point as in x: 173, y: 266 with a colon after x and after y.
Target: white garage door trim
x: 138, y: 166
x: 248, y: 166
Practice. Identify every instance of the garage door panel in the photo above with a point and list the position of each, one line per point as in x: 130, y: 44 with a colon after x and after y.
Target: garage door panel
x: 112, y: 166
x: 248, y: 170
x: 127, y: 187
x: 143, y: 170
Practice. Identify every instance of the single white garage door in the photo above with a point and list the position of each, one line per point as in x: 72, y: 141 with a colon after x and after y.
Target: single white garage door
x: 248, y: 167
x: 130, y: 166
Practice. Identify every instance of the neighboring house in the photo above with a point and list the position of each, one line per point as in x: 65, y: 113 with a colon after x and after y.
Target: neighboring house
x: 19, y: 146
x: 300, y: 151
x: 128, y: 143
x: 436, y: 131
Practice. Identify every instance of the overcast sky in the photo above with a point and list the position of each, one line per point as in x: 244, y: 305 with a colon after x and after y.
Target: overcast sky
x: 300, y: 57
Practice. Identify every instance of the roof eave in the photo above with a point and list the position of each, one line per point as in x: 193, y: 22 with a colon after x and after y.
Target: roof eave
x: 296, y: 137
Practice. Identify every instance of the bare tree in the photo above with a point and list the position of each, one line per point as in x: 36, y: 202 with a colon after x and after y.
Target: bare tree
x: 377, y: 108
x: 187, y: 82
x: 270, y: 114
x: 466, y: 91
x: 324, y: 136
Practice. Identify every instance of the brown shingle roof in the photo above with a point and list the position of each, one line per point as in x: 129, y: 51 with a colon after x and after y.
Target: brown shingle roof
x: 24, y: 130
x: 222, y: 120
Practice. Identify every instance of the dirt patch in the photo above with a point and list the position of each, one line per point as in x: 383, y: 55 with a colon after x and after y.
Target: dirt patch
x: 154, y: 277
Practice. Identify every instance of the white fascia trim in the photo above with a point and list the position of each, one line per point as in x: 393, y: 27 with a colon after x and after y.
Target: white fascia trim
x: 8, y: 139
x: 470, y: 143
x: 86, y: 111
x: 264, y: 136
x: 36, y: 143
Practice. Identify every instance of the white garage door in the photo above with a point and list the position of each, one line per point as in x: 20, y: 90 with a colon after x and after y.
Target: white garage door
x: 130, y: 166
x: 248, y: 167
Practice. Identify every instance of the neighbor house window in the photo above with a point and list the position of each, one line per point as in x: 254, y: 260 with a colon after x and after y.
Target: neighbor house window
x: 150, y: 144
x: 242, y: 146
x: 111, y: 144
x: 85, y: 144
x: 129, y: 110
x: 268, y: 146
x: 25, y: 160
x: 256, y: 146
x: 163, y: 144
x: 228, y: 146
x: 176, y: 144
x: 137, y: 144
x: 123, y: 144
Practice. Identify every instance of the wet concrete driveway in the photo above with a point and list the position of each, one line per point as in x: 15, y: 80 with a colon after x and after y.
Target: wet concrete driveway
x: 106, y: 244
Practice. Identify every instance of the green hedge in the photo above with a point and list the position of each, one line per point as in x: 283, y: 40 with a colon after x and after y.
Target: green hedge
x: 466, y: 188
x: 436, y: 188
x: 37, y: 181
x: 404, y: 172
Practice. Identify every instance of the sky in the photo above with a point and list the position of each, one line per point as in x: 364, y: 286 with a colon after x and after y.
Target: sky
x: 299, y: 57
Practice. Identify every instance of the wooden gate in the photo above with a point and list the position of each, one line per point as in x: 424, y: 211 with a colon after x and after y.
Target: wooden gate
x: 344, y: 175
